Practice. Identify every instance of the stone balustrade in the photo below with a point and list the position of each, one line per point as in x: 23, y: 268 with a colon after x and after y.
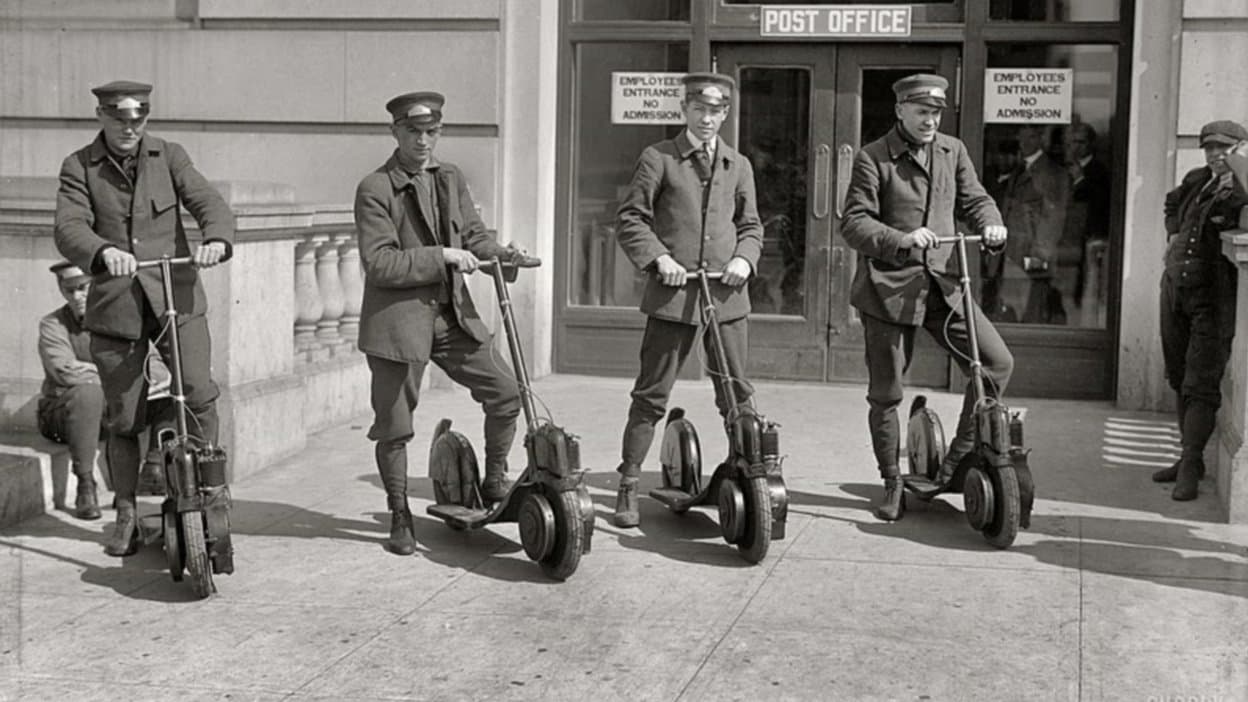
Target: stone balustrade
x: 283, y: 315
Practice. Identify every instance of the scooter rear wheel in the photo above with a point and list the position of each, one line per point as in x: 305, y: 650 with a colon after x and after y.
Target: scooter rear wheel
x: 756, y: 540
x: 570, y: 537
x: 1003, y: 527
x: 196, y: 554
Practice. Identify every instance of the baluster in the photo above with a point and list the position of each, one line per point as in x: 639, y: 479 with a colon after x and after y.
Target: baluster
x: 352, y: 285
x: 308, y: 308
x: 331, y: 290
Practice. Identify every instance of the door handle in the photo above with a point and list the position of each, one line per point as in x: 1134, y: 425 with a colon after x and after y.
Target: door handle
x: 823, y: 181
x: 844, y: 168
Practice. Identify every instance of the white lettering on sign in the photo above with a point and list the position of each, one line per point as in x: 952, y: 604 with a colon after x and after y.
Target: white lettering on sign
x: 1026, y: 95
x: 646, y: 98
x: 835, y: 20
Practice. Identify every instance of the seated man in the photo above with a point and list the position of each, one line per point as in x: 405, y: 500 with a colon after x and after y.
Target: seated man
x: 71, y: 404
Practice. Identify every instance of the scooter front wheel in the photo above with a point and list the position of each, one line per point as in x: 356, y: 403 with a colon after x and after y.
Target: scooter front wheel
x: 570, y: 536
x: 195, y: 553
x: 756, y: 538
x: 1003, y: 527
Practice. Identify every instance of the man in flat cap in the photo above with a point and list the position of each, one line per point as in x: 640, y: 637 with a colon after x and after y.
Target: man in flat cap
x: 1198, y: 296
x: 691, y: 205
x: 905, y: 190
x: 119, y: 202
x: 418, y: 232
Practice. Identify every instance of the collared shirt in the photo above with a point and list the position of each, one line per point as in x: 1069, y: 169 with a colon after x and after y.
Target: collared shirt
x: 697, y: 143
x: 1029, y: 161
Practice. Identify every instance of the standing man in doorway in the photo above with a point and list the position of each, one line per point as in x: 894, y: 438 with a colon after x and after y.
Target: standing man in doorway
x: 1198, y: 297
x: 906, y: 187
x: 120, y: 201
x: 418, y: 232
x: 691, y: 205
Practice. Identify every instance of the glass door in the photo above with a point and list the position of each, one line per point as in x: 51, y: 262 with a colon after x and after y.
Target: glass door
x: 803, y: 112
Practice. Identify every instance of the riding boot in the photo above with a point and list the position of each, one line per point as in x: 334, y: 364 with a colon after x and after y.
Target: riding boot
x: 124, y: 539
x: 627, y: 511
x: 495, y: 486
x: 1187, y: 482
x: 1167, y: 475
x: 402, y: 539
x: 87, y: 505
x: 893, y: 505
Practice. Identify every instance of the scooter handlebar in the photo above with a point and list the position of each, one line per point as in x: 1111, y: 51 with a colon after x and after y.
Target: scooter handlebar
x: 174, y: 261
x: 691, y: 276
x: 522, y: 262
x: 969, y: 238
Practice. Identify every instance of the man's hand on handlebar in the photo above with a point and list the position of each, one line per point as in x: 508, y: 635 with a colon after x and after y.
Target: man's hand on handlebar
x: 921, y: 238
x: 208, y: 255
x: 670, y: 272
x: 994, y: 235
x: 736, y: 272
x: 459, y: 259
x: 119, y: 262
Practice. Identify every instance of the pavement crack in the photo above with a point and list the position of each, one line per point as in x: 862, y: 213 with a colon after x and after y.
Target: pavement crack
x: 771, y: 567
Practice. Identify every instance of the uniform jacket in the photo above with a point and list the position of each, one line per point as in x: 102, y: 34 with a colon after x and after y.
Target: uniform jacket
x: 404, y: 274
x: 1087, y: 216
x: 1194, y: 220
x: 98, y: 207
x: 65, y: 352
x: 1034, y: 209
x: 888, y: 198
x: 662, y: 214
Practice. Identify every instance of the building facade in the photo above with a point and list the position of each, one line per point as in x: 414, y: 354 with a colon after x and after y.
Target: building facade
x: 549, y: 103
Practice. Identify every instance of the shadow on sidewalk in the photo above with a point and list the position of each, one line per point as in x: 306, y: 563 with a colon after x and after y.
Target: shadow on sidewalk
x: 1148, y: 550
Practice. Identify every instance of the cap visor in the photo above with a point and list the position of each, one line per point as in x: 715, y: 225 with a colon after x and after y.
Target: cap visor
x: 1218, y: 139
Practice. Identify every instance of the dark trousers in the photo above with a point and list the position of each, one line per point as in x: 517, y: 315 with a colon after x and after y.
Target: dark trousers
x: 122, y: 367
x: 1196, y: 345
x: 395, y: 391
x: 74, y: 418
x: 889, y: 349
x: 664, y: 348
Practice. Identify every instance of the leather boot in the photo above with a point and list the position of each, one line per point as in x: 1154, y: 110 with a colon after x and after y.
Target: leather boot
x: 495, y: 486
x: 1167, y: 475
x: 1187, y: 482
x: 87, y: 505
x: 959, y: 448
x: 627, y: 511
x: 402, y: 539
x: 124, y: 539
x: 892, y: 506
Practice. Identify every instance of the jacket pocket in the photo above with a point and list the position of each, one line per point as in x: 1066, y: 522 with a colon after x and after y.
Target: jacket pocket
x: 163, y: 195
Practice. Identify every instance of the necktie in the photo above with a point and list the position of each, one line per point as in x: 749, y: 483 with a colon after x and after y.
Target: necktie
x: 702, y: 161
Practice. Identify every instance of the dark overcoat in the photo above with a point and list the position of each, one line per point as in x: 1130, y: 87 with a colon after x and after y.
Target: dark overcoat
x: 663, y: 214
x: 98, y: 207
x: 405, y: 278
x: 888, y: 198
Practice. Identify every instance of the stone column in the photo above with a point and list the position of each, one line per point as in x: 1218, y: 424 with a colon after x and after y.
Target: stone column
x: 331, y: 290
x: 308, y: 307
x: 352, y: 278
x: 1231, y: 472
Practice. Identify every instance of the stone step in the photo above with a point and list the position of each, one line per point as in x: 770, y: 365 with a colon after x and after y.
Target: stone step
x: 35, y: 476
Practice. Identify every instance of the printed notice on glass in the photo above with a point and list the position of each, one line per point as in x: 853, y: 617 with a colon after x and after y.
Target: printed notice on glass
x: 844, y: 21
x: 646, y: 98
x: 1028, y: 95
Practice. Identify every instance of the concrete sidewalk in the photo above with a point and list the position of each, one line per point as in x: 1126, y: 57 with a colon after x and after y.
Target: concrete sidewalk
x: 1116, y: 592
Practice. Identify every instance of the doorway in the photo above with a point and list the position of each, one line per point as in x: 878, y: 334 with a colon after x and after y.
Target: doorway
x: 803, y: 111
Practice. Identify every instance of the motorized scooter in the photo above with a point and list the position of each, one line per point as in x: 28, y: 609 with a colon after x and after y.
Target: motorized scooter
x: 549, y: 500
x: 994, y: 478
x: 748, y: 486
x: 195, y: 514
